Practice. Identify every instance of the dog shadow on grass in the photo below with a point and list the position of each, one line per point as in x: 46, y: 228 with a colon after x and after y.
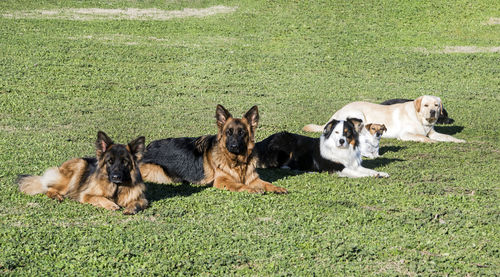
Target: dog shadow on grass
x: 156, y: 192
x: 449, y: 130
x: 272, y: 175
x: 385, y: 149
x: 379, y: 162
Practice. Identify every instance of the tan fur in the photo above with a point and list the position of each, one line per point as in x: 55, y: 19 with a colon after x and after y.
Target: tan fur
x: 223, y: 169
x: 154, y: 173
x: 418, y: 103
x: 404, y: 121
x: 375, y: 128
x: 74, y: 180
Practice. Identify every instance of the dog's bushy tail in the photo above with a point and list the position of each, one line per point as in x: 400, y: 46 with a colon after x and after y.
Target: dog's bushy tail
x: 38, y: 184
x: 313, y: 128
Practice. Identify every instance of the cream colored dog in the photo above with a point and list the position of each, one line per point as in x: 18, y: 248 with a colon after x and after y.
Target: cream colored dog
x: 406, y: 121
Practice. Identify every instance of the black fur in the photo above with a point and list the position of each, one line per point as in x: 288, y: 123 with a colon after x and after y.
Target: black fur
x: 295, y: 151
x: 180, y: 158
x: 442, y: 119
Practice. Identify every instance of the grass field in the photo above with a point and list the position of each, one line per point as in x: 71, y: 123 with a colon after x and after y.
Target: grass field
x: 64, y: 75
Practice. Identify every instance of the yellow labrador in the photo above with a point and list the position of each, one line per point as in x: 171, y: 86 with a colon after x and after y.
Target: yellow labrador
x: 406, y: 121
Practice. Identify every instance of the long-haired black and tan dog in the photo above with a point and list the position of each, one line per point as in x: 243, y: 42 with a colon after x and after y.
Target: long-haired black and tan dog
x: 112, y: 180
x: 225, y: 160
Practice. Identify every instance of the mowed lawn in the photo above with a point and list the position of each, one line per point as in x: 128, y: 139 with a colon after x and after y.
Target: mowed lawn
x: 67, y: 71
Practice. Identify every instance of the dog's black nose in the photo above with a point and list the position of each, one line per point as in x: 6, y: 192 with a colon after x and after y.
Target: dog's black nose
x: 116, y: 178
x: 341, y: 141
x: 433, y: 113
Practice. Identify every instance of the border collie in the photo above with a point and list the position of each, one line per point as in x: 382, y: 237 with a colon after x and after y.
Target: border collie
x: 337, y: 150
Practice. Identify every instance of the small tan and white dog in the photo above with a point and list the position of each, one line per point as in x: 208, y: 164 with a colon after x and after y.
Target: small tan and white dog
x: 412, y: 121
x: 369, y: 139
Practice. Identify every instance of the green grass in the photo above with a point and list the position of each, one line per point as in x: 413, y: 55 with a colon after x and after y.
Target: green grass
x: 61, y: 81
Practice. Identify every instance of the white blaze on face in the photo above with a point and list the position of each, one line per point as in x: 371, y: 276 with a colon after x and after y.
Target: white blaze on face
x: 337, y: 136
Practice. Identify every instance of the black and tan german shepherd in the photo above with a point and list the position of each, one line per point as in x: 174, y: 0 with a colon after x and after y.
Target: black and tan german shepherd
x: 225, y: 160
x: 112, y: 180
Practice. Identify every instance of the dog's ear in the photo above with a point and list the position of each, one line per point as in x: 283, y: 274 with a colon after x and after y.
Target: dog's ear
x: 102, y: 143
x: 383, y: 128
x: 368, y: 126
x: 252, y: 116
x: 329, y: 126
x: 418, y: 103
x: 222, y: 115
x: 358, y: 123
x: 440, y: 106
x: 136, y: 147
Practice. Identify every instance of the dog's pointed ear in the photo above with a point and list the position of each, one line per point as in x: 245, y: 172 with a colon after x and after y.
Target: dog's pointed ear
x: 358, y: 123
x: 383, y: 128
x: 368, y: 126
x: 222, y: 115
x: 136, y: 147
x: 252, y: 116
x: 102, y: 143
x: 418, y: 103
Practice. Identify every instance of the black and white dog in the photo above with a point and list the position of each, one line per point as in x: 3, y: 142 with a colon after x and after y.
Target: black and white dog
x: 337, y: 150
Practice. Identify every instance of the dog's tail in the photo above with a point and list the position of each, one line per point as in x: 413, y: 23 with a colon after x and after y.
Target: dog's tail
x: 38, y: 184
x: 313, y: 128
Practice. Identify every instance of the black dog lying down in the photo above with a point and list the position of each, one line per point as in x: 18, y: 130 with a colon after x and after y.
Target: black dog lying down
x: 443, y: 118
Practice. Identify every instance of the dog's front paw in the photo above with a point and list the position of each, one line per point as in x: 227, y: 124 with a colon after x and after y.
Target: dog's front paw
x: 112, y: 207
x: 130, y: 211
x: 382, y: 175
x: 460, y: 141
x: 278, y: 190
x: 253, y: 189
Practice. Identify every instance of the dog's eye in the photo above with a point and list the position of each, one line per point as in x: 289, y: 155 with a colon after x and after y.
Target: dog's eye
x: 125, y: 162
x: 426, y: 105
x: 240, y: 132
x: 110, y: 161
x: 229, y: 132
x: 336, y: 132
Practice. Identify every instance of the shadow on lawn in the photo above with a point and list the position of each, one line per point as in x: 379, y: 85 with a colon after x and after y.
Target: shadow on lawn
x: 385, y: 149
x: 157, y: 192
x: 271, y: 175
x: 449, y: 130
x: 379, y: 162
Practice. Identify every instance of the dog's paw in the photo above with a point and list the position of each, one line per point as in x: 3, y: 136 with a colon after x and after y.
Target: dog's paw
x: 254, y: 190
x: 112, y: 207
x: 382, y: 175
x: 460, y: 141
x: 280, y: 190
x: 130, y: 211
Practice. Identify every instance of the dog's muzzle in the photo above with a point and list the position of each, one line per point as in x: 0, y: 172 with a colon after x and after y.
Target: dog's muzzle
x: 116, y: 178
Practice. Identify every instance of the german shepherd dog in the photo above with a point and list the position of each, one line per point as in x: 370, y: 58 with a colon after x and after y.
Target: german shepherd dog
x: 225, y: 160
x: 112, y: 180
